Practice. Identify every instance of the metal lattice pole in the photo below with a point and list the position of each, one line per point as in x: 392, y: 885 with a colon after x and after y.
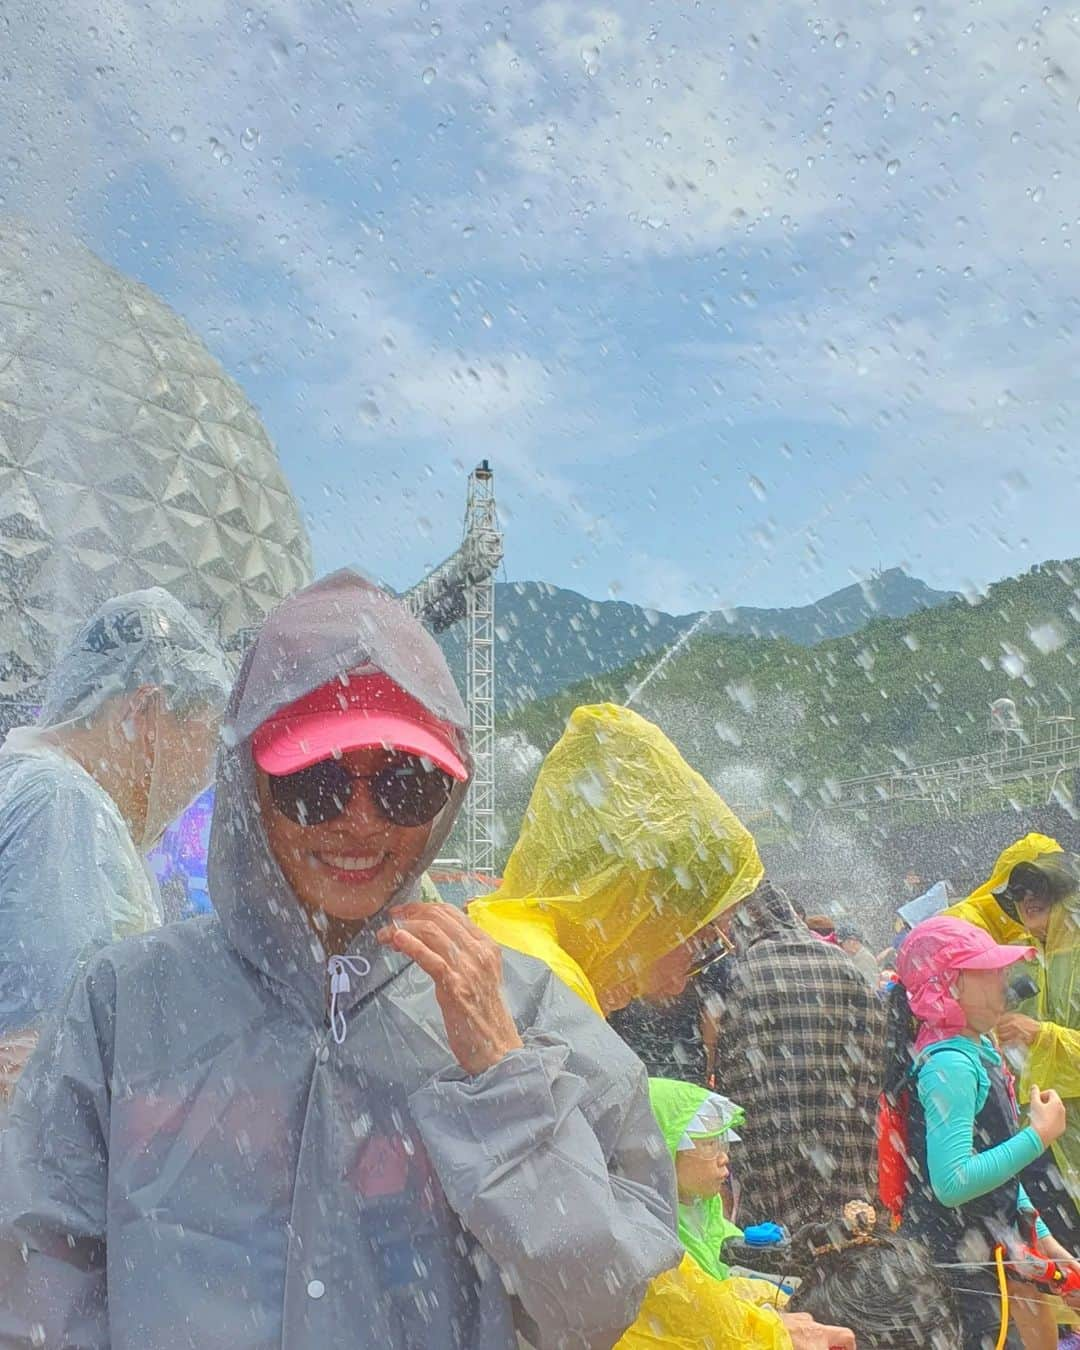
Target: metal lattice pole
x: 482, y: 529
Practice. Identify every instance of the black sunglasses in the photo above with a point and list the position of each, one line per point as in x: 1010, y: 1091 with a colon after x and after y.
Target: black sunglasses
x: 409, y: 791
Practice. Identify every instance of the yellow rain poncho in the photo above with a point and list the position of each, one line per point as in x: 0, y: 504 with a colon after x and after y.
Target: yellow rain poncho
x: 685, y: 1309
x: 624, y: 853
x: 981, y: 907
x: 1054, y: 1059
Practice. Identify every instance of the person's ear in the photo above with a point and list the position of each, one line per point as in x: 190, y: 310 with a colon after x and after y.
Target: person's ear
x: 138, y: 716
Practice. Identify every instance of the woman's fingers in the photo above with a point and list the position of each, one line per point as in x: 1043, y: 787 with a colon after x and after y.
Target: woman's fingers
x: 434, y: 937
x: 474, y: 963
x: 448, y: 918
x: 466, y: 968
x: 414, y: 947
x: 454, y: 936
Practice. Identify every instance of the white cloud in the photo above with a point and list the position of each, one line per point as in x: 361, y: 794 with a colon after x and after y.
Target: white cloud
x: 881, y: 203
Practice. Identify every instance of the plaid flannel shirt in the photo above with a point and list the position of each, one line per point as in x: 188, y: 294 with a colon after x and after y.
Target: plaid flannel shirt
x: 800, y: 1047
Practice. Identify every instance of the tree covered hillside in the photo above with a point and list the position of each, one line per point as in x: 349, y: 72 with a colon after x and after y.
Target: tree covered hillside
x: 770, y: 722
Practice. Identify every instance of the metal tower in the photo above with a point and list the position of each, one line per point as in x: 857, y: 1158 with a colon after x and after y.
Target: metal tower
x: 463, y: 587
x: 482, y: 526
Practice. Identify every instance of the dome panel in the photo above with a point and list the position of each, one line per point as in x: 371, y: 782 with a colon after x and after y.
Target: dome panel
x: 127, y: 457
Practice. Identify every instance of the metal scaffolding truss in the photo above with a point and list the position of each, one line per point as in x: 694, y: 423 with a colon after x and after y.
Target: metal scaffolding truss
x: 959, y: 787
x: 463, y: 587
x: 482, y: 525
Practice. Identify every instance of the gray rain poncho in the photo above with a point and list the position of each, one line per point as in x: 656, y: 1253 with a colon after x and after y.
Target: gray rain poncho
x: 71, y: 876
x: 193, y: 1160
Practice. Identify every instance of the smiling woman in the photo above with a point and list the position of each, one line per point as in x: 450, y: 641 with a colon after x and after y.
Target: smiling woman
x: 349, y: 1119
x: 350, y: 779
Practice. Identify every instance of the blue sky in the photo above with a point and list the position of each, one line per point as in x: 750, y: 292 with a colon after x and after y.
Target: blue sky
x: 742, y: 302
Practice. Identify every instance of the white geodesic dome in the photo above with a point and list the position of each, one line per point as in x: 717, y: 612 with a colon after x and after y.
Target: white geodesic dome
x: 128, y: 458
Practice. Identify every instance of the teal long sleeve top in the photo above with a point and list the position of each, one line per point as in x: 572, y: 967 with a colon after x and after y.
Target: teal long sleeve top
x: 953, y: 1085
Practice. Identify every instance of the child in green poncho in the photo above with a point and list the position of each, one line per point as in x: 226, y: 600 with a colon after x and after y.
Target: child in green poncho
x: 698, y: 1125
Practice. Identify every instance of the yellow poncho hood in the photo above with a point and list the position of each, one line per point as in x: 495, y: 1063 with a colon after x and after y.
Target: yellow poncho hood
x: 981, y: 908
x: 624, y: 853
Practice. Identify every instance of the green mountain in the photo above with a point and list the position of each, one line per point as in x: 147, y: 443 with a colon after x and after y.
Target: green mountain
x: 549, y: 638
x: 774, y: 723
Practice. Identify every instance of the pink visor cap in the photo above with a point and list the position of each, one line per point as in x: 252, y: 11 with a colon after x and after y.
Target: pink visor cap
x: 355, y: 712
x: 938, y: 948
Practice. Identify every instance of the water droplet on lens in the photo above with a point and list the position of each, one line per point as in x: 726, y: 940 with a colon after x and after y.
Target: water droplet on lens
x: 177, y: 135
x: 1047, y: 637
x: 890, y: 100
x: 428, y: 76
x: 892, y: 166
x: 840, y: 40
x: 249, y: 138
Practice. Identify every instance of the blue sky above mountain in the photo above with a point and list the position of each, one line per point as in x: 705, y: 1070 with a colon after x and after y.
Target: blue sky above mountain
x: 741, y: 301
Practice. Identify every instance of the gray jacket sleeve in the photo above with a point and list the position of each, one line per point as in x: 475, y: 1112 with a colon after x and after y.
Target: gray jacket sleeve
x: 53, y: 1181
x: 577, y: 1229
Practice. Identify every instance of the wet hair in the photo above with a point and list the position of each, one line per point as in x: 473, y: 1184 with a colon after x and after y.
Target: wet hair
x: 883, y: 1288
x: 900, y: 1031
x: 1050, y: 878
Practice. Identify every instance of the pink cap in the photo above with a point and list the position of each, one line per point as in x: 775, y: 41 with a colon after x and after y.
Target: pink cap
x: 937, y: 948
x: 355, y: 712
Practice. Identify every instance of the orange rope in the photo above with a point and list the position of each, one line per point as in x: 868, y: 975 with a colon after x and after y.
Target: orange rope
x: 1003, y: 1288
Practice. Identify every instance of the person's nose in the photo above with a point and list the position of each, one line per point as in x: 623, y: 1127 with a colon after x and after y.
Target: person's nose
x: 360, y: 812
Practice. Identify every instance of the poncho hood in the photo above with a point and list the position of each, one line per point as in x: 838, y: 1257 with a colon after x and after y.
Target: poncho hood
x: 340, y: 624
x: 676, y: 1103
x: 982, y: 907
x: 703, y: 1226
x: 624, y: 853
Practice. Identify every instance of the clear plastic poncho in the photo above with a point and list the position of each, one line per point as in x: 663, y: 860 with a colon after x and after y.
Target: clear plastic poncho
x: 72, y: 877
